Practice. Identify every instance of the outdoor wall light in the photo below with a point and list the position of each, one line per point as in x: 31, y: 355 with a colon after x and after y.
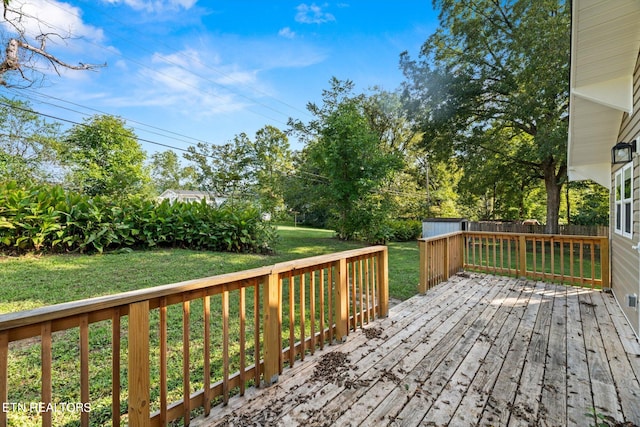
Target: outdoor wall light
x: 622, y: 152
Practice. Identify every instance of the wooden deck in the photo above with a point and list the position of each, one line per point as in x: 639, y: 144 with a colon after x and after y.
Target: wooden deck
x: 476, y: 350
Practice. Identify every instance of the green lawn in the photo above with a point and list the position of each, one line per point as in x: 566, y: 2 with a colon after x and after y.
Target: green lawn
x: 34, y: 281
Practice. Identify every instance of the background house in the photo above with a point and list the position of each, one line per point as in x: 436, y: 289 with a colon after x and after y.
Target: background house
x: 604, y: 110
x: 190, y: 196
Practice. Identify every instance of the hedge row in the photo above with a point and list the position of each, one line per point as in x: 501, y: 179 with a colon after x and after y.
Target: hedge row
x: 49, y: 219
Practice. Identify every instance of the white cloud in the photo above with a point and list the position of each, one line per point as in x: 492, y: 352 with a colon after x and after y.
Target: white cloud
x: 287, y: 33
x: 155, y: 5
x: 41, y: 16
x: 186, y: 83
x: 313, y: 14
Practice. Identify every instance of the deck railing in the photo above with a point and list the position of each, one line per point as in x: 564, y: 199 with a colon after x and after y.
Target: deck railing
x: 254, y: 322
x: 574, y: 260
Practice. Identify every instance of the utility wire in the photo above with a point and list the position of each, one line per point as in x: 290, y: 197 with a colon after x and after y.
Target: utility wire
x: 27, y: 110
x: 165, y: 131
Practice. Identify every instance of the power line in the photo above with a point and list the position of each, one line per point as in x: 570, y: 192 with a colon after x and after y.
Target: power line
x: 105, y: 113
x: 27, y: 110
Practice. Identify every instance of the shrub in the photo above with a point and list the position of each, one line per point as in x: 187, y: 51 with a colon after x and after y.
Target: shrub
x: 47, y: 219
x: 404, y: 230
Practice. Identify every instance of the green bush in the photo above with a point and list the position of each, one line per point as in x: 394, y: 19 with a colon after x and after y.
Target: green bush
x: 48, y: 219
x: 404, y: 230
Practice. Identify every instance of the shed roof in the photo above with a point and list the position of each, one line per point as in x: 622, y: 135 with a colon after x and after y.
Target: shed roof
x: 605, y: 41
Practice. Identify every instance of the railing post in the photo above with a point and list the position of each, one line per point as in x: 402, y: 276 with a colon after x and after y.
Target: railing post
x: 604, y: 261
x: 522, y: 256
x: 272, y: 329
x: 462, y: 238
x: 422, y: 286
x: 383, y: 282
x: 341, y: 299
x: 138, y: 371
x: 447, y: 267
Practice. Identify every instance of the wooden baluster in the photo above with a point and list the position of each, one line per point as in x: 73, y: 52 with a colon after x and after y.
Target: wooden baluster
x: 4, y: 372
x: 322, y: 308
x: 256, y: 332
x: 312, y: 309
x: 367, y: 278
x: 581, y: 242
x: 571, y: 260
x: 354, y: 298
x: 84, y: 368
x: 331, y: 303
x: 292, y: 321
x: 592, y: 248
x: 242, y: 339
x: 303, y: 313
x: 163, y: 361
x: 522, y: 255
x: 115, y: 368
x: 206, y: 309
x: 360, y: 264
x: 186, y: 360
x: 138, y: 369
x: 225, y: 345
x: 46, y: 361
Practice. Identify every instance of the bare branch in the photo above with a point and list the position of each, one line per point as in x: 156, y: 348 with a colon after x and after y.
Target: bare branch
x: 12, y: 61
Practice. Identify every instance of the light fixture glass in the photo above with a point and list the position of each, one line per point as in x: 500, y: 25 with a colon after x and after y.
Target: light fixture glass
x: 622, y: 152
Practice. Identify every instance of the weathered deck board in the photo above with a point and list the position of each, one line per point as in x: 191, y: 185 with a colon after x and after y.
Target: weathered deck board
x: 479, y: 351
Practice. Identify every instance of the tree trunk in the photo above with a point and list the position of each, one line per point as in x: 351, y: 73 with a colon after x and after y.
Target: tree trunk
x: 553, y: 181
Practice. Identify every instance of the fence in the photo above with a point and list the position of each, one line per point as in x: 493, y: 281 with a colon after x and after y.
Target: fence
x: 574, y: 260
x: 171, y: 353
x: 514, y: 227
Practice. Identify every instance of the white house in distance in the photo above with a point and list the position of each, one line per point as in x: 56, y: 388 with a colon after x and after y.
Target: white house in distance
x: 190, y: 196
x: 604, y: 111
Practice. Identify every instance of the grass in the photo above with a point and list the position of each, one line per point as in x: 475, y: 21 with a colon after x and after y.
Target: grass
x: 34, y: 281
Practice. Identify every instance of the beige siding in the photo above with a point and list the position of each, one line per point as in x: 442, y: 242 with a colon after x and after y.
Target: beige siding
x: 625, y: 261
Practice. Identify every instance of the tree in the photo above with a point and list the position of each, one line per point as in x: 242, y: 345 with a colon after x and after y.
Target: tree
x: 26, y: 50
x: 497, y: 67
x: 271, y: 161
x: 168, y: 173
x: 106, y: 158
x: 222, y: 169
x: 29, y: 146
x: 354, y: 166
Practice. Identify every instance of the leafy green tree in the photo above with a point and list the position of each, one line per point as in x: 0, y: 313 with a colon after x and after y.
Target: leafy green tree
x: 271, y: 161
x: 588, y: 203
x: 168, y: 173
x: 497, y: 67
x: 354, y: 166
x: 106, y: 158
x: 29, y: 146
x: 223, y: 169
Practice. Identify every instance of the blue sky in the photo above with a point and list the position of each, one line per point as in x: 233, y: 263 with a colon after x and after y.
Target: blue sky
x: 208, y: 70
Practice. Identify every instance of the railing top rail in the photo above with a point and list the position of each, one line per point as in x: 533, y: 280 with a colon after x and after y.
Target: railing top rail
x: 284, y: 267
x: 441, y: 236
x: 73, y: 308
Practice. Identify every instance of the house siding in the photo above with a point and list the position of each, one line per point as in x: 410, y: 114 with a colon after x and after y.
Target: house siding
x: 625, y: 261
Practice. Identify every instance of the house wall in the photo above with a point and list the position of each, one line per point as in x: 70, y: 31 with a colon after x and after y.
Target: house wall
x: 625, y: 261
